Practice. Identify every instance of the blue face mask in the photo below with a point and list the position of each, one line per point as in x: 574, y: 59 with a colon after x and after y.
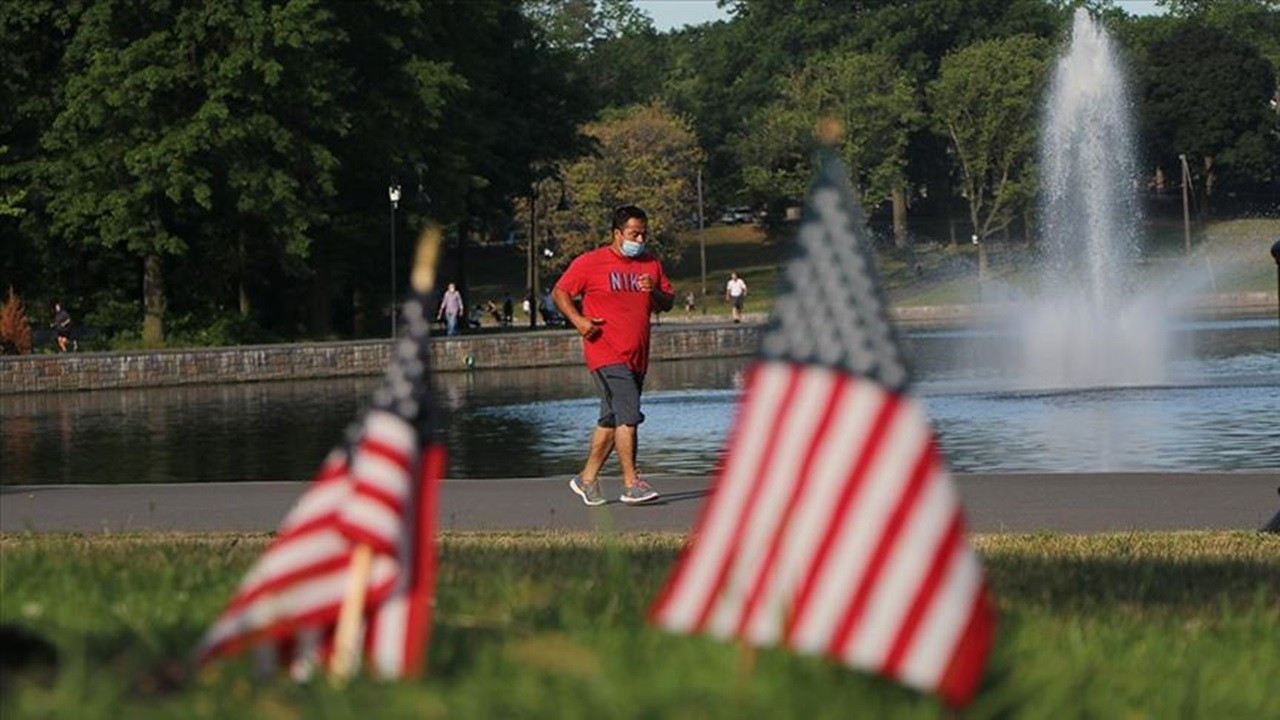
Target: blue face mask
x: 631, y: 248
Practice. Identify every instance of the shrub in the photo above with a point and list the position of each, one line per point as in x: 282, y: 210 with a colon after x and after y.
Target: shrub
x: 15, y: 330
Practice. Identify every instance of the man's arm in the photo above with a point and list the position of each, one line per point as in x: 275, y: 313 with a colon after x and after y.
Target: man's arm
x: 588, y: 328
x: 660, y: 289
x: 663, y: 300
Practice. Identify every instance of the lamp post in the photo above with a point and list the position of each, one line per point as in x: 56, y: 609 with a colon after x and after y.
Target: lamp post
x: 393, y: 194
x: 702, y: 239
x: 532, y: 261
x: 1186, y: 209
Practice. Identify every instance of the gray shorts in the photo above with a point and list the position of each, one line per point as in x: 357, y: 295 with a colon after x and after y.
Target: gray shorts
x: 619, y: 388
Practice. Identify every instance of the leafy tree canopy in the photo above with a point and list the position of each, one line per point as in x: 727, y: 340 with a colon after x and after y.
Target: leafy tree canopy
x: 985, y: 100
x: 1206, y: 95
x: 875, y: 101
x: 647, y: 156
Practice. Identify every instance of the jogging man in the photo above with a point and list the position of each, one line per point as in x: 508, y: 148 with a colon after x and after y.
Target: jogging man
x: 620, y: 285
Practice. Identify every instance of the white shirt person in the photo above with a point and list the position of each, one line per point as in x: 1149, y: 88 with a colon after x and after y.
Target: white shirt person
x: 735, y: 291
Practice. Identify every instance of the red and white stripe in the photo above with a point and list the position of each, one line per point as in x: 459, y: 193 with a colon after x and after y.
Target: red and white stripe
x: 834, y: 528
x: 288, y: 603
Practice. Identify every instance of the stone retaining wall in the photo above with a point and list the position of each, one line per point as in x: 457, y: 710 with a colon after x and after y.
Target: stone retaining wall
x: 510, y: 349
x: 100, y: 371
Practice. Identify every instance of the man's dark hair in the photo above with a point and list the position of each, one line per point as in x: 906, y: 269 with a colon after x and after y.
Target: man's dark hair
x: 627, y: 212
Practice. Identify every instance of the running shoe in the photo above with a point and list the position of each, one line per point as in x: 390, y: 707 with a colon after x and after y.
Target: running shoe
x: 638, y: 493
x: 588, y: 491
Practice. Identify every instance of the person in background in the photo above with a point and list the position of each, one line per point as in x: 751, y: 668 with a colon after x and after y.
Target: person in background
x: 620, y: 285
x: 62, y: 327
x: 735, y: 291
x: 508, y: 308
x: 451, y: 309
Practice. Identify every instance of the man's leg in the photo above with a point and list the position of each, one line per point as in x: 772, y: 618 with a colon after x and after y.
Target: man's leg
x: 627, y: 438
x: 602, y: 440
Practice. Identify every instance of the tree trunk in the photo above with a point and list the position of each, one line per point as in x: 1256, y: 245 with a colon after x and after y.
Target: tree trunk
x: 245, y: 307
x: 153, y: 300
x: 462, y: 261
x: 900, y: 239
x: 1207, y: 190
x: 357, y: 313
x: 321, y: 308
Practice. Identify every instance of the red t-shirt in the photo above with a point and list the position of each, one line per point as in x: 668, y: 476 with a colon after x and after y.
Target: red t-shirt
x: 610, y: 288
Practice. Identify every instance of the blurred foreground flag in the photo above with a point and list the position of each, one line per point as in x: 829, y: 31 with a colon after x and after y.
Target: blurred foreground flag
x: 834, y: 526
x: 377, y: 490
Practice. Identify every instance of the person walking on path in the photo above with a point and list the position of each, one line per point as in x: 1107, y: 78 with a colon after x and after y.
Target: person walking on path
x: 508, y: 308
x: 735, y: 291
x: 451, y: 308
x: 620, y: 285
x: 62, y: 326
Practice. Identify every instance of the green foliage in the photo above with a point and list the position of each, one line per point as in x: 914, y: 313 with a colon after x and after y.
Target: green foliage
x: 1206, y: 95
x: 195, y: 160
x: 581, y: 25
x: 235, y: 155
x: 985, y: 100
x: 1256, y: 22
x: 10, y: 200
x: 177, y: 118
x: 647, y: 156
x: 874, y: 100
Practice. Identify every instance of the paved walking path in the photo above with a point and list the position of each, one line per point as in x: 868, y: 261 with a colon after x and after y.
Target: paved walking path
x: 1062, y: 502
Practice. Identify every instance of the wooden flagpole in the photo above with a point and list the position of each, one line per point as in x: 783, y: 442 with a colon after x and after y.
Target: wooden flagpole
x: 346, y: 636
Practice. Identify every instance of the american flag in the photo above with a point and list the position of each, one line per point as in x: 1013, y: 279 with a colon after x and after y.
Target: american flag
x: 834, y: 527
x: 378, y: 489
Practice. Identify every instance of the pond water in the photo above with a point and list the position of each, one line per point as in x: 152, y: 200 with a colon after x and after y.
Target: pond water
x: 1219, y: 410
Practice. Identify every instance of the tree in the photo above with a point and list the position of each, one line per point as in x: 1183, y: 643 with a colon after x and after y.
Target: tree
x: 33, y: 38
x: 579, y: 25
x: 1206, y: 95
x: 985, y: 101
x: 877, y: 105
x: 10, y: 200
x: 176, y: 117
x: 647, y: 156
x: 1256, y: 22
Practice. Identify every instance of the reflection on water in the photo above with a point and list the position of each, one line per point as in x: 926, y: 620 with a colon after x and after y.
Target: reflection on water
x: 1220, y: 411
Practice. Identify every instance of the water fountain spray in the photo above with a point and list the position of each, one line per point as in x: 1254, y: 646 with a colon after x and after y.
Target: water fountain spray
x: 1088, y: 327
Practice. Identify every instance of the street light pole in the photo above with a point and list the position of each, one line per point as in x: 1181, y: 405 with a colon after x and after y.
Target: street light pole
x: 533, y: 257
x: 533, y: 276
x: 702, y: 238
x: 1186, y: 212
x: 393, y: 194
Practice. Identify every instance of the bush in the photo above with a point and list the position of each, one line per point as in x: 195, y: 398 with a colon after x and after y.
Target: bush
x: 15, y: 330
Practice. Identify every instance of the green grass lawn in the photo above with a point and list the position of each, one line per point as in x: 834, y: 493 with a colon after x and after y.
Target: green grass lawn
x: 1228, y: 256
x: 552, y: 625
